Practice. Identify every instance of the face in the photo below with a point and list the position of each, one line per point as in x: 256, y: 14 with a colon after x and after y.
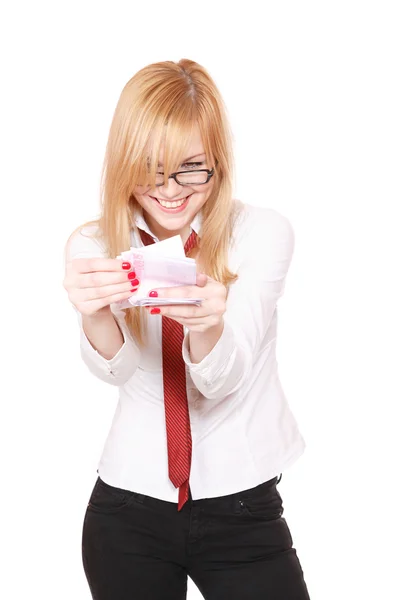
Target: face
x: 169, y: 209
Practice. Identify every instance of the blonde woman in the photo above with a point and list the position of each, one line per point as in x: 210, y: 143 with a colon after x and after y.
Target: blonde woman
x: 187, y: 480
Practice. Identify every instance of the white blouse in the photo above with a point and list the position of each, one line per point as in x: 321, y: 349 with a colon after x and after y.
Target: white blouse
x: 243, y: 431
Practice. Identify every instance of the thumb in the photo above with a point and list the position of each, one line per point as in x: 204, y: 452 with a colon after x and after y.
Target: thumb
x: 201, y: 279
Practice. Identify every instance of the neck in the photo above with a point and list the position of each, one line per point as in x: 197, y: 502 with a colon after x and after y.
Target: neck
x: 163, y: 234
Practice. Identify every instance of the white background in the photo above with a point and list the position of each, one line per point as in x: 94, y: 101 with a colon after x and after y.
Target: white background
x: 312, y: 90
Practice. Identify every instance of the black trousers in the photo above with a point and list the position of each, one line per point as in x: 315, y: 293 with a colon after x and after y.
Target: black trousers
x: 234, y: 547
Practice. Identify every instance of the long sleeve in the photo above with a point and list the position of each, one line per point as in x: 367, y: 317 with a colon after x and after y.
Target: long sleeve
x: 266, y: 247
x: 119, y: 369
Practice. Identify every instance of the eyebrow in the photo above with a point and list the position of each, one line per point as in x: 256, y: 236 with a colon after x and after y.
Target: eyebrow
x: 187, y: 159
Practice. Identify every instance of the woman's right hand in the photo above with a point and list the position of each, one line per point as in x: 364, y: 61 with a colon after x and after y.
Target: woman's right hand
x: 95, y: 283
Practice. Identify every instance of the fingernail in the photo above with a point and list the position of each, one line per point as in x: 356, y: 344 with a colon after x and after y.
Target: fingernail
x: 131, y: 275
x: 135, y: 282
x: 155, y: 311
x: 134, y: 289
x: 126, y: 266
x: 153, y: 294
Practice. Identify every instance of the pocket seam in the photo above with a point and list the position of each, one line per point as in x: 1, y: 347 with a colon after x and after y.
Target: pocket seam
x: 248, y: 511
x: 128, y: 497
x: 245, y: 503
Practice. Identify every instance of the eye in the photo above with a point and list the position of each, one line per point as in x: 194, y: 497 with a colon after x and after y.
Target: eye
x: 192, y: 165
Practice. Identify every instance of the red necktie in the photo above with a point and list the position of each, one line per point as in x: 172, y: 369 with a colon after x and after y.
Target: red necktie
x: 179, y: 438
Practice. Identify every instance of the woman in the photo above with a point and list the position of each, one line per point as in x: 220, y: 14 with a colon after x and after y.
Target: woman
x: 188, y: 476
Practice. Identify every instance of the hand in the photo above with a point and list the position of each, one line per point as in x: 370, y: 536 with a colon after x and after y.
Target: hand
x: 195, y: 318
x: 95, y: 283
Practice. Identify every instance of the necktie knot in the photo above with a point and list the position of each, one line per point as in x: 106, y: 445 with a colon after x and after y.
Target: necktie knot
x: 191, y: 242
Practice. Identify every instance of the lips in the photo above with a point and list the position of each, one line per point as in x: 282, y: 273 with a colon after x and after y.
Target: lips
x: 170, y: 201
x: 172, y: 210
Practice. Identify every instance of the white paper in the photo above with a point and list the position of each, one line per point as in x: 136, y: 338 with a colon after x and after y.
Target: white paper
x: 159, y: 265
x: 166, y: 301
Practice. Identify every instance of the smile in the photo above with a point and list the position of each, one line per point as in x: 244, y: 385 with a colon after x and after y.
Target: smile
x: 173, y: 205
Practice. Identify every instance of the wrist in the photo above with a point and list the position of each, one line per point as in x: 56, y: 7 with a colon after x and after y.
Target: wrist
x: 209, y: 332
x: 216, y: 329
x: 103, y: 314
x: 201, y: 343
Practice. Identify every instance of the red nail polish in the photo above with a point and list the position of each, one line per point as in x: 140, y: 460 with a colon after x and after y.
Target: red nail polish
x: 135, y: 282
x: 155, y: 311
x: 131, y: 275
x: 126, y: 266
x: 153, y: 294
x: 134, y: 289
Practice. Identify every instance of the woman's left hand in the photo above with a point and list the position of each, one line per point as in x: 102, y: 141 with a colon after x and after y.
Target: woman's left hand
x: 195, y: 318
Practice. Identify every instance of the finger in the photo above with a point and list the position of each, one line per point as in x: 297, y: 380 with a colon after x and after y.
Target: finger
x: 104, y: 291
x: 183, y: 312
x: 101, y: 278
x: 93, y: 306
x: 195, y: 324
x: 189, y: 322
x: 201, y: 279
x: 98, y: 293
x: 182, y: 320
x: 187, y: 291
x: 91, y: 265
x: 183, y: 291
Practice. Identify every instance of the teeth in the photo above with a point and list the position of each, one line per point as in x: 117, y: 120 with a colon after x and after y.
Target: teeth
x: 171, y: 204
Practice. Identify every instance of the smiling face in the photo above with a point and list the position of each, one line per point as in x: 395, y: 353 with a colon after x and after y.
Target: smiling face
x: 169, y: 209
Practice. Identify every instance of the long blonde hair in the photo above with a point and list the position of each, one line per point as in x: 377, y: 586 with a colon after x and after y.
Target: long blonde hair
x: 160, y: 105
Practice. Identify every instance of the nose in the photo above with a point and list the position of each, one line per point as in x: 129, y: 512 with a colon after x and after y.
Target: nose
x: 172, y: 190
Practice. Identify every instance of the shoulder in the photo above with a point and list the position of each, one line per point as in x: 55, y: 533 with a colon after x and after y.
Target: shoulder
x: 85, y: 242
x: 258, y: 227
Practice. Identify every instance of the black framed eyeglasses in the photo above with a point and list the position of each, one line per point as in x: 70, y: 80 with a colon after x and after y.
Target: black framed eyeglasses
x: 199, y: 177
